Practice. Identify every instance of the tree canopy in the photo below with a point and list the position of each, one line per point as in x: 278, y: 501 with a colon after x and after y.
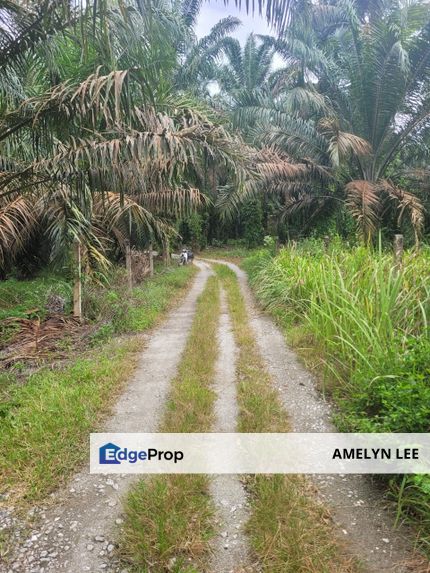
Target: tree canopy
x: 117, y: 121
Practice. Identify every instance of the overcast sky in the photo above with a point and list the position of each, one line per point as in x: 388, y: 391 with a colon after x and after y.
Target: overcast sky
x: 213, y: 11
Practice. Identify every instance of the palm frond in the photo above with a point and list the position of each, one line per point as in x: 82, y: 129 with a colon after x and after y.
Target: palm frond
x: 17, y: 222
x: 363, y: 202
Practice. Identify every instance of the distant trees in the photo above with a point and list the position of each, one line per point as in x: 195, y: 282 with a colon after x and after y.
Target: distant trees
x: 352, y: 108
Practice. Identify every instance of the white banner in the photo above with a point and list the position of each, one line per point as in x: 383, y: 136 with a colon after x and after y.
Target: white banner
x: 232, y: 453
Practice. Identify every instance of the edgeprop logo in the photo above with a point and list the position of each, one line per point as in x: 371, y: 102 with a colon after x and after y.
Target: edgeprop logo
x: 112, y: 454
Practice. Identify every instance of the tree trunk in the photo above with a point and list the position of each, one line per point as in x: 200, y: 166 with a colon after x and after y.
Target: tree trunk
x: 151, y: 261
x: 166, y: 257
x: 398, y: 252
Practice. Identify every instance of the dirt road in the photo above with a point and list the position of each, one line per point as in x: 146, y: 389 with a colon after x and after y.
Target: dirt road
x: 77, y: 532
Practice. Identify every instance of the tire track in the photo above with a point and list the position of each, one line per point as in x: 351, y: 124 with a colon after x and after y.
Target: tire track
x: 230, y: 546
x: 77, y: 533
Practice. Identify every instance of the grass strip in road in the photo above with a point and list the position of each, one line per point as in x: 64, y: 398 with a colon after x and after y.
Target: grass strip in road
x: 45, y: 422
x: 168, y: 519
x: 289, y: 530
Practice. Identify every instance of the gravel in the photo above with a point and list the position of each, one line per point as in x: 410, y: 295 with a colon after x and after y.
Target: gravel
x: 76, y: 533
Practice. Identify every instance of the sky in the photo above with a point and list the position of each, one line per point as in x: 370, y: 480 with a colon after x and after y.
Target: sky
x: 214, y: 10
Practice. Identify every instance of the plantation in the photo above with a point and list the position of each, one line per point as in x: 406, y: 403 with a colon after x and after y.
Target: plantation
x: 141, y: 142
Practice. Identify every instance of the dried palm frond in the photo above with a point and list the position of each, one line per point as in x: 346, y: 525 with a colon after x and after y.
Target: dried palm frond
x: 340, y: 143
x: 273, y: 165
x: 175, y: 201
x: 406, y: 203
x: 17, y: 221
x: 363, y: 202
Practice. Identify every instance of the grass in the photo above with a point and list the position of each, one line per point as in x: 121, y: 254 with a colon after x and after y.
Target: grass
x: 47, y: 421
x: 138, y: 310
x: 46, y: 418
x: 168, y: 521
x: 367, y: 327
x: 232, y: 253
x: 290, y: 532
x: 17, y: 297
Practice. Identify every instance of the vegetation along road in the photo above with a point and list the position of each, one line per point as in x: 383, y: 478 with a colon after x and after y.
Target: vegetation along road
x: 248, y: 380
x: 214, y: 217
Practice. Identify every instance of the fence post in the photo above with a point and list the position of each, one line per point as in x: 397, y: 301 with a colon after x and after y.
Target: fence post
x: 166, y: 252
x: 77, y: 286
x: 151, y: 261
x: 398, y: 252
x: 128, y: 265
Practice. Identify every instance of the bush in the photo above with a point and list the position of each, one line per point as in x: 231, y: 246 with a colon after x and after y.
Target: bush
x: 398, y: 402
x: 252, y: 222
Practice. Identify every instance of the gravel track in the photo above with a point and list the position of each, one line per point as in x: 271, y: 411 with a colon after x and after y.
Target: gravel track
x: 230, y: 546
x: 364, y: 523
x: 77, y: 533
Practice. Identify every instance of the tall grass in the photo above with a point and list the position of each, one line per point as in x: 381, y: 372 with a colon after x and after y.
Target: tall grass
x: 368, y: 322
x: 359, y: 309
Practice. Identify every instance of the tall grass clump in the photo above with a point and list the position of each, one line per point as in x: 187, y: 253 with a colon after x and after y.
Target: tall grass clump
x: 369, y: 324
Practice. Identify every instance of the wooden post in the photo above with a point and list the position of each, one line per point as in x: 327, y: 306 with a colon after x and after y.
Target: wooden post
x: 398, y: 252
x: 151, y: 261
x: 166, y: 258
x: 128, y: 265
x: 77, y: 287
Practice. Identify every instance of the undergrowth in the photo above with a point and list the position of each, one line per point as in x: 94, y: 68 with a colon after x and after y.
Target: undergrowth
x: 367, y: 323
x: 46, y: 416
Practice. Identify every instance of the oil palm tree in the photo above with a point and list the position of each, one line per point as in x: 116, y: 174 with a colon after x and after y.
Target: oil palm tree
x: 355, y: 100
x: 117, y: 128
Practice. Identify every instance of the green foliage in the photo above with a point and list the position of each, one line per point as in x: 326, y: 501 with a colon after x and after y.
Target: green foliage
x: 397, y: 402
x: 252, y: 223
x: 106, y: 304
x: 193, y: 230
x: 369, y: 325
x: 51, y: 414
x: 18, y: 297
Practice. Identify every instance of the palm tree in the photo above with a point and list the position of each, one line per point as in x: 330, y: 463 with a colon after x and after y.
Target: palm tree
x: 354, y: 100
x: 117, y: 128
